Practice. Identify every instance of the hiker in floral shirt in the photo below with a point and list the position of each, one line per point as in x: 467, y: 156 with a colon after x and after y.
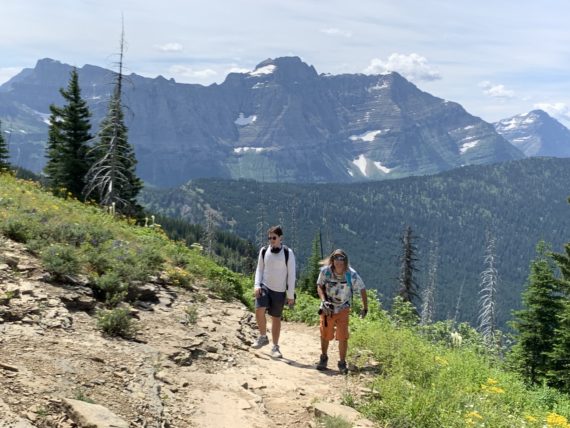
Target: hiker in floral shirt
x: 336, y: 285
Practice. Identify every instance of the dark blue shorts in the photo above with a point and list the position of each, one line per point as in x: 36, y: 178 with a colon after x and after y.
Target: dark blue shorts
x: 272, y: 300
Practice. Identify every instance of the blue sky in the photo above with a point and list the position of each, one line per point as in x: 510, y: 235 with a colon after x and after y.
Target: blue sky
x: 496, y: 58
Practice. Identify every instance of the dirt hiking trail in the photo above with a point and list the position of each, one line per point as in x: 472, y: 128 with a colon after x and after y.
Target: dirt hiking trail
x: 58, y: 370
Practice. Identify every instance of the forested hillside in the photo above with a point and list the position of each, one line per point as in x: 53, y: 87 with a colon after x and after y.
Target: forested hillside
x: 519, y: 202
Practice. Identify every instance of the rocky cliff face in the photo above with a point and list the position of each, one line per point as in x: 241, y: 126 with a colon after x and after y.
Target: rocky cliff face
x: 281, y: 122
x: 536, y: 134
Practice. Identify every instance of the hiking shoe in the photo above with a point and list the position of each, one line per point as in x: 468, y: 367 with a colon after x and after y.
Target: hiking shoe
x: 342, y: 368
x: 275, y: 352
x: 322, y: 364
x: 260, y: 342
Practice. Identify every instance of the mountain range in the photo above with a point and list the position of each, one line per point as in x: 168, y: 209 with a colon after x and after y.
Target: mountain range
x: 281, y: 122
x: 536, y: 134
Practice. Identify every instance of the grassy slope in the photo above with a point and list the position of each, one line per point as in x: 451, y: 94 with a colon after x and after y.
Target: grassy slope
x: 77, y: 239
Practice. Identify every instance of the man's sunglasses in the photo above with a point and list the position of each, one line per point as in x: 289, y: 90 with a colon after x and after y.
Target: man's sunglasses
x: 272, y: 238
x: 340, y: 258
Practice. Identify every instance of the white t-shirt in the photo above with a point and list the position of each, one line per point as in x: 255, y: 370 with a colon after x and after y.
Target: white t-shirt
x: 274, y: 273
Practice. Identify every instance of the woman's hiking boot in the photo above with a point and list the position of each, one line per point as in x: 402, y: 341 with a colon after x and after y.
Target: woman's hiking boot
x: 342, y: 368
x: 322, y: 364
x: 260, y: 342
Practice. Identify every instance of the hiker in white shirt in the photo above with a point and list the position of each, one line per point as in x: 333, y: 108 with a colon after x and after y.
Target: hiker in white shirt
x: 273, y: 286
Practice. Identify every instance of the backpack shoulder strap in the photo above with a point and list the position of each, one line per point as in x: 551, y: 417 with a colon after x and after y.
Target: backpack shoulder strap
x: 349, y: 281
x: 285, y: 251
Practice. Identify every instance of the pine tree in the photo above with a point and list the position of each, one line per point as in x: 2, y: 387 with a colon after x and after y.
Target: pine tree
x: 536, y: 323
x: 408, y: 286
x: 54, y: 152
x: 4, y: 153
x: 68, y: 141
x: 112, y: 178
x: 559, y: 373
x: 488, y: 295
x: 308, y: 282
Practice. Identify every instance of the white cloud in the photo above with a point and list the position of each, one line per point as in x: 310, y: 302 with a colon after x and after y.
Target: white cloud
x: 170, y: 47
x: 336, y: 32
x: 413, y: 67
x: 556, y: 110
x: 496, y: 91
x: 184, y: 72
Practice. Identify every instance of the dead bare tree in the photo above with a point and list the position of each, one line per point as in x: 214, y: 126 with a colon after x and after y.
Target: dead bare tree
x: 428, y: 295
x: 488, y: 293
x: 112, y: 179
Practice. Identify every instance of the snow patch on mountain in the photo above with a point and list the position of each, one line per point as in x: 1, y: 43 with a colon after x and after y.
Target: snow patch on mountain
x: 362, y: 162
x: 378, y: 87
x: 242, y: 120
x: 382, y: 168
x: 240, y: 150
x: 469, y: 145
x: 367, y: 136
x: 262, y: 71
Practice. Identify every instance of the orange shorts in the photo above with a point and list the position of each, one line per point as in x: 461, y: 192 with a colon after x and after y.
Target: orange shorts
x: 338, y: 322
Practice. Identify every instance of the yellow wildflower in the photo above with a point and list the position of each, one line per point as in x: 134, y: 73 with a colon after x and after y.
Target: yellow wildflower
x: 474, y: 414
x: 530, y: 418
x: 441, y: 361
x: 556, y: 420
x: 492, y: 387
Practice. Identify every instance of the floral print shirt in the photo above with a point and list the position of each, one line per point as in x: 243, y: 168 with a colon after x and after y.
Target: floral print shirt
x: 337, y: 288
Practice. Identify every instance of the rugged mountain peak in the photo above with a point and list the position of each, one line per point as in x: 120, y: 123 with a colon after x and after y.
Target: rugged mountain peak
x: 48, y: 62
x: 290, y: 68
x: 536, y: 133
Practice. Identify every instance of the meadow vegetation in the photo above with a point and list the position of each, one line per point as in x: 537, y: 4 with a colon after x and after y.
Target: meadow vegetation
x: 77, y: 240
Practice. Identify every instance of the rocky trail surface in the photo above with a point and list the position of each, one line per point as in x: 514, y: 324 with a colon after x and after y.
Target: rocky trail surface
x: 189, y: 365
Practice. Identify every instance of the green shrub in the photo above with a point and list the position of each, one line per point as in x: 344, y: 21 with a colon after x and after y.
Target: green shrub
x: 112, y: 287
x: 222, y: 290
x: 37, y: 245
x: 80, y: 395
x: 226, y: 284
x: 17, y: 230
x: 179, y: 256
x: 191, y: 312
x: 179, y: 277
x: 149, y: 258
x: 116, y: 322
x: 403, y: 313
x: 61, y: 260
x: 333, y: 422
x: 99, y: 260
x: 78, y: 233
x: 305, y: 310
